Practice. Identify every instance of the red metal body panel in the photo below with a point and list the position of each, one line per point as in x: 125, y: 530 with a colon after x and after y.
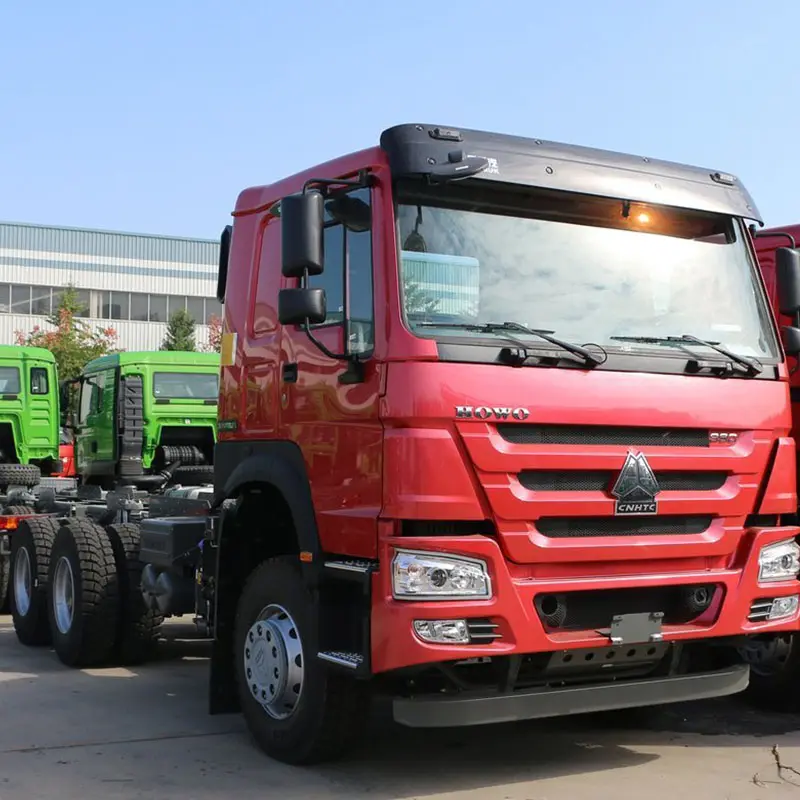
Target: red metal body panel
x: 766, y: 245
x: 390, y: 449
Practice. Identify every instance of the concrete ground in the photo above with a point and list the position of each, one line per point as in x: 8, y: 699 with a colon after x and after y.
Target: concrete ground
x: 144, y: 733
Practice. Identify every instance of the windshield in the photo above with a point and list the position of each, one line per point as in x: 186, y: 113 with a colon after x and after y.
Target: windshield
x: 587, y: 269
x: 185, y: 385
x: 9, y: 380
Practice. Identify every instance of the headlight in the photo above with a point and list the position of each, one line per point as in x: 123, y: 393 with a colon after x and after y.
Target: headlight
x: 429, y: 576
x: 779, y: 562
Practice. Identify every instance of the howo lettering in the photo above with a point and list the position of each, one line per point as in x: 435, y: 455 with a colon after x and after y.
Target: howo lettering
x: 488, y: 443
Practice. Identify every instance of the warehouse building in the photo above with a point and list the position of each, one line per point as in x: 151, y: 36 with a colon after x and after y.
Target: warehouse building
x: 131, y: 282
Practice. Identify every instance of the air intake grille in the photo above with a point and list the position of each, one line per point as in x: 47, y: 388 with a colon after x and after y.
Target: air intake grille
x: 601, y: 481
x: 574, y: 527
x: 602, y: 435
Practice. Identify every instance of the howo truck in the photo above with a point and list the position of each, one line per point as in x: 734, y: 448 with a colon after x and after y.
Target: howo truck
x: 488, y: 443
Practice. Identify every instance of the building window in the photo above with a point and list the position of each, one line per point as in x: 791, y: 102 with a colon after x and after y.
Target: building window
x: 116, y: 305
x: 158, y: 308
x: 194, y: 305
x: 139, y: 307
x: 40, y: 300
x: 20, y: 299
x: 176, y: 304
x: 5, y: 298
x: 39, y: 380
x: 213, y: 309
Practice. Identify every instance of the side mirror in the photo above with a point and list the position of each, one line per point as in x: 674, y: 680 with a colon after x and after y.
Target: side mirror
x: 300, y: 306
x: 791, y: 340
x: 302, y: 224
x: 787, y: 274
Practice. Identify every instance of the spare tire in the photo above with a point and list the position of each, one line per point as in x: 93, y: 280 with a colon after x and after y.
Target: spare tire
x: 20, y: 475
x: 192, y: 476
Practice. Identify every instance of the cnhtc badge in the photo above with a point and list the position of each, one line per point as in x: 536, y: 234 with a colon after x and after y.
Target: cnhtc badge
x: 636, y: 487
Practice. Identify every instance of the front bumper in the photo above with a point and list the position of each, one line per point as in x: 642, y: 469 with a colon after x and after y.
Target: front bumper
x: 394, y: 644
x: 436, y: 711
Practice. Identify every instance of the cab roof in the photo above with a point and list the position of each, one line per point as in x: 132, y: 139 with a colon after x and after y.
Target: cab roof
x: 16, y: 353
x: 166, y: 358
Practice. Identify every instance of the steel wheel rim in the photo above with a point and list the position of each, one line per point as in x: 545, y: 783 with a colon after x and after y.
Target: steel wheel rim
x: 23, y: 581
x: 767, y: 656
x: 63, y: 595
x: 274, y: 665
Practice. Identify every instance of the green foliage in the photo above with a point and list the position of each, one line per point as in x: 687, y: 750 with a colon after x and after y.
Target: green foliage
x: 180, y: 332
x: 73, y: 342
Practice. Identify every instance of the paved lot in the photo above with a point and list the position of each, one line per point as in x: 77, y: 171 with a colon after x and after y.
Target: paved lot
x: 144, y: 733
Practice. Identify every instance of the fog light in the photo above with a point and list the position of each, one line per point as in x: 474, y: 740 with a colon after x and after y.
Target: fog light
x: 442, y: 631
x: 784, y: 607
x: 779, y: 562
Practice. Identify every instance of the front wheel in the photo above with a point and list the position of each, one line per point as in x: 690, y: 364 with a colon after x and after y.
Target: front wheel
x: 298, y: 711
x: 774, y: 661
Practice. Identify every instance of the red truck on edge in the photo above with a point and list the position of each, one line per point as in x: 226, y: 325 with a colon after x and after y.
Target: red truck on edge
x: 776, y: 668
x: 488, y: 443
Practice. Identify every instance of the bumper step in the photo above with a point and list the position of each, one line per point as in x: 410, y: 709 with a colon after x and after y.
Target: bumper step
x: 483, y: 709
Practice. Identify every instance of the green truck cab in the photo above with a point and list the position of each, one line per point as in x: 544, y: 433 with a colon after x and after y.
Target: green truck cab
x: 139, y: 413
x: 29, y: 416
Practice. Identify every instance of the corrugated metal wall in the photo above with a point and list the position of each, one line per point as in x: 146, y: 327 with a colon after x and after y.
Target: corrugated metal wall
x: 127, y: 265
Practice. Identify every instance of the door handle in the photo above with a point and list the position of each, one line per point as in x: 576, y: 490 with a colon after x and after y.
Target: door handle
x: 290, y: 373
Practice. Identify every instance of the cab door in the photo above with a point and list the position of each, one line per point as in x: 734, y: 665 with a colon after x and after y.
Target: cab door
x: 40, y: 427
x: 94, y: 443
x: 334, y: 419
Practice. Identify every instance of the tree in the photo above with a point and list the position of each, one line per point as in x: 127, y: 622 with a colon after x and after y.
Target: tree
x: 214, y: 334
x: 180, y: 332
x: 73, y: 342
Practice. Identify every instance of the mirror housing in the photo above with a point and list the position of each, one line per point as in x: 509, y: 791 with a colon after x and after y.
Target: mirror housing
x: 302, y: 223
x: 787, y: 276
x: 791, y: 341
x: 301, y: 306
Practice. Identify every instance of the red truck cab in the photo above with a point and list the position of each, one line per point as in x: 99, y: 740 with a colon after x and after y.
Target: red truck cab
x: 489, y: 442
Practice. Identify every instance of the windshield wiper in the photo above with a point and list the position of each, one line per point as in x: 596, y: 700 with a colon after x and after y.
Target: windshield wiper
x: 752, y: 366
x: 503, y: 327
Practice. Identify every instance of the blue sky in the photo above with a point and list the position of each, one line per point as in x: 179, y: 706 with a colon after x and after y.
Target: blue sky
x: 150, y: 116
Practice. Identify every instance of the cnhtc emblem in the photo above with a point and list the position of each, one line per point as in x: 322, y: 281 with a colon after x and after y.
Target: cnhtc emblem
x: 636, y: 487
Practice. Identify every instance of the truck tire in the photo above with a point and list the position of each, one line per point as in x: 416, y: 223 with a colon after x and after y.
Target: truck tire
x: 19, y: 475
x: 83, y: 594
x: 6, y: 569
x: 31, y: 546
x: 5, y: 580
x: 193, y: 476
x: 297, y: 710
x: 139, y: 625
x: 774, y: 671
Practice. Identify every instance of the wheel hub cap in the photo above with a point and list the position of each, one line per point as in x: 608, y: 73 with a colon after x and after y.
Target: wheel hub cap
x: 273, y: 662
x: 23, y: 582
x: 63, y: 596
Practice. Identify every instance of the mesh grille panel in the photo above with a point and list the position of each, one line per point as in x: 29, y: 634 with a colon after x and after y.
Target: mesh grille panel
x: 602, y: 480
x: 603, y: 435
x: 569, y: 527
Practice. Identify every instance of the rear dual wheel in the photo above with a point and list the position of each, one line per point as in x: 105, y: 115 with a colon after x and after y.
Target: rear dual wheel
x: 96, y: 611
